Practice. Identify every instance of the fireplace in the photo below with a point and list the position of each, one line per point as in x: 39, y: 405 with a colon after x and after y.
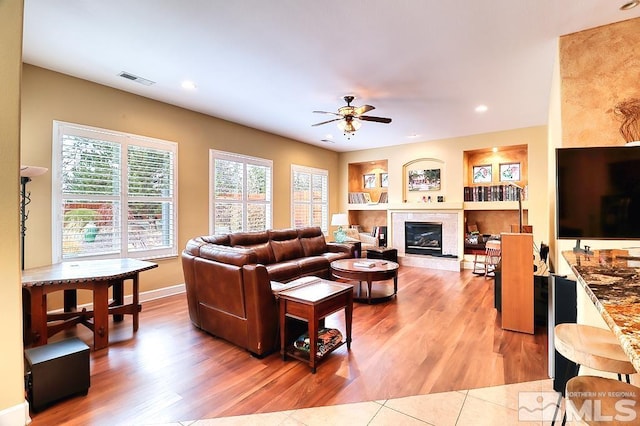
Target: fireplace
x: 423, y: 238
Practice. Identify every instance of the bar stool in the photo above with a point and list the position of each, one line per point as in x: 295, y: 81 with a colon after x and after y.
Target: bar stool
x: 601, y: 401
x: 592, y: 347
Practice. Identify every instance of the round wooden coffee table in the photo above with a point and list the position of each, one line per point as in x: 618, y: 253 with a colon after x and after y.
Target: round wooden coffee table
x: 354, y: 269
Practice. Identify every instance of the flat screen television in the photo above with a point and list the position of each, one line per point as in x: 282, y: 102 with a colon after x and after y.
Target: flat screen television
x: 598, y: 193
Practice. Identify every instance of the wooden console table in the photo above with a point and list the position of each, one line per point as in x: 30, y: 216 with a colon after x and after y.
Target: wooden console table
x: 94, y: 275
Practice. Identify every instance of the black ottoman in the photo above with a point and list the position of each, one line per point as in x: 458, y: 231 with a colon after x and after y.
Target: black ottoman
x: 386, y: 253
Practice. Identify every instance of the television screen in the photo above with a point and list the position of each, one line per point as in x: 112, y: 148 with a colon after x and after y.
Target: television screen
x: 598, y: 193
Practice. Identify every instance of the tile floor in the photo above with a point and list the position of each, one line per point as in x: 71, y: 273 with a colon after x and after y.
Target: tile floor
x: 498, y: 405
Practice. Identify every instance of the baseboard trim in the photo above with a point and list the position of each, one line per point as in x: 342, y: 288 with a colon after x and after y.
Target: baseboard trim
x: 16, y: 415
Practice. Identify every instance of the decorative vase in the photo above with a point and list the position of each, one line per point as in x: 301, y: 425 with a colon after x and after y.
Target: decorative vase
x: 90, y: 232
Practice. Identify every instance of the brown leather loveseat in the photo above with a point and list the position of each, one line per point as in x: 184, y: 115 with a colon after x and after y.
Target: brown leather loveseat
x: 228, y: 277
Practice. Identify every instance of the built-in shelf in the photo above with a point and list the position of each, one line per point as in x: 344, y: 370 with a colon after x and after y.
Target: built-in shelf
x: 494, y: 205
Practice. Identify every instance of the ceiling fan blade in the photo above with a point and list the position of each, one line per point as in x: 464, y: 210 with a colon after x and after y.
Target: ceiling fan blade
x: 325, y: 122
x: 376, y: 119
x: 327, y: 112
x: 364, y: 108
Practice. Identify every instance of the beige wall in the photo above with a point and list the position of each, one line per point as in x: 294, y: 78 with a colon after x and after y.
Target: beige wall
x: 599, y: 68
x: 451, y: 153
x: 12, y: 402
x: 49, y: 96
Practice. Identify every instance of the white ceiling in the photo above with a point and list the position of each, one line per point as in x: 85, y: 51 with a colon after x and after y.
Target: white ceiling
x: 268, y: 64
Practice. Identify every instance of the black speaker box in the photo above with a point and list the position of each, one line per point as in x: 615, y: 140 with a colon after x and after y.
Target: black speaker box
x: 56, y: 371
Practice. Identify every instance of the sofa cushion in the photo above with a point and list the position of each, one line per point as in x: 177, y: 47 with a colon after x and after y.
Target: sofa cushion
x: 313, y: 246
x: 263, y: 251
x: 283, y: 271
x: 285, y: 244
x: 256, y: 241
x: 313, y: 264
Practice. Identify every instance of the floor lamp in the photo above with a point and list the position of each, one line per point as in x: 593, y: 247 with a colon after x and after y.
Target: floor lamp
x: 26, y: 173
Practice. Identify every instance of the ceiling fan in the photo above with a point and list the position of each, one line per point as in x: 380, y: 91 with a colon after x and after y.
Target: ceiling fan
x: 350, y: 117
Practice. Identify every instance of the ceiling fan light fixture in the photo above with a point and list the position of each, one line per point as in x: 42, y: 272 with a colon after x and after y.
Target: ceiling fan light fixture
x: 349, y: 125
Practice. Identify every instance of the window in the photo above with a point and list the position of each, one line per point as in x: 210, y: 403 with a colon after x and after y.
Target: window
x: 310, y: 194
x: 240, y: 189
x: 114, y: 194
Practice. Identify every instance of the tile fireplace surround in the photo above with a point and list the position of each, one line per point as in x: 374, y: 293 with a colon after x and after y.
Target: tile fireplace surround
x: 452, y: 237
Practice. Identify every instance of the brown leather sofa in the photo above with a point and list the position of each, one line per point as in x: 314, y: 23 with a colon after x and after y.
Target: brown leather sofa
x: 227, y: 280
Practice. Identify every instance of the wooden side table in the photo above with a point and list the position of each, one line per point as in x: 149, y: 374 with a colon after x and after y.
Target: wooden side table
x: 312, y: 302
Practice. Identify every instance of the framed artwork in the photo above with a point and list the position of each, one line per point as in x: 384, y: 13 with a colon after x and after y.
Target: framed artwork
x: 369, y: 180
x: 509, y: 172
x: 384, y: 180
x: 424, y: 180
x: 482, y: 174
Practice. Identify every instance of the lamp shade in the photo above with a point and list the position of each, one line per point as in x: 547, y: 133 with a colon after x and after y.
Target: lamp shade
x: 31, y: 171
x: 339, y: 219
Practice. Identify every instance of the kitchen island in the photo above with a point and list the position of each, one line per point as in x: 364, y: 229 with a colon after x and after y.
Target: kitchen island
x: 611, y: 279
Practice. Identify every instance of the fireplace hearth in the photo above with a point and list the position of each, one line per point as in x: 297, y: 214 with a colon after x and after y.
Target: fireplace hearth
x: 423, y: 238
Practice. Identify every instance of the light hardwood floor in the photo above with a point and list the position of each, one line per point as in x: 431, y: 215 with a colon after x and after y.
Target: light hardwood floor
x: 441, y: 333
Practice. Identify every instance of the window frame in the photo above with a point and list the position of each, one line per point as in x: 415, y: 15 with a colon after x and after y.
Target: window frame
x: 313, y: 171
x: 125, y: 140
x: 245, y: 160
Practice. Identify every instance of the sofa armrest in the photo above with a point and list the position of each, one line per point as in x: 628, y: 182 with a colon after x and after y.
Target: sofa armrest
x: 368, y: 239
x: 342, y: 248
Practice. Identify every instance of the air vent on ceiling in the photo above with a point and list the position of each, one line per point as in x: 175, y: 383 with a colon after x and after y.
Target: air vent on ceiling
x: 135, y: 78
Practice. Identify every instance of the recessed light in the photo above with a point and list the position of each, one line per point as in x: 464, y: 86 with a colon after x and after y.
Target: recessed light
x: 189, y: 85
x: 413, y: 136
x: 494, y: 149
x: 629, y: 5
x: 482, y: 108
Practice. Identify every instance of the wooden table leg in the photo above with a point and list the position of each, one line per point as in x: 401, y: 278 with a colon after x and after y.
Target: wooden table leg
x: 369, y: 282
x: 70, y: 300
x: 348, y: 317
x: 395, y: 284
x: 100, y: 316
x: 136, y: 302
x: 118, y: 298
x: 313, y: 339
x: 38, y: 316
x: 283, y: 310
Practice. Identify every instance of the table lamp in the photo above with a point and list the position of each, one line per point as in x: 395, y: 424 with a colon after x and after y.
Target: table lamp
x: 340, y: 220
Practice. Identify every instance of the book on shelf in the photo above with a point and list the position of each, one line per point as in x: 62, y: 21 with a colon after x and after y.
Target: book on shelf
x: 384, y: 198
x: 493, y: 193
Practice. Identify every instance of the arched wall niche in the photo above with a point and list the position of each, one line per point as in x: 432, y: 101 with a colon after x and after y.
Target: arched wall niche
x: 419, y: 181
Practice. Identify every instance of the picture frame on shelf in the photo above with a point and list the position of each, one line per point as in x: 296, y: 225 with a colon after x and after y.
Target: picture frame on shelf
x: 509, y: 172
x: 384, y: 180
x: 482, y: 173
x: 369, y: 180
x: 424, y: 180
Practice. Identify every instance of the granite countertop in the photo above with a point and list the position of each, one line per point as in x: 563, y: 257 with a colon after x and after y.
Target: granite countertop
x: 611, y: 278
